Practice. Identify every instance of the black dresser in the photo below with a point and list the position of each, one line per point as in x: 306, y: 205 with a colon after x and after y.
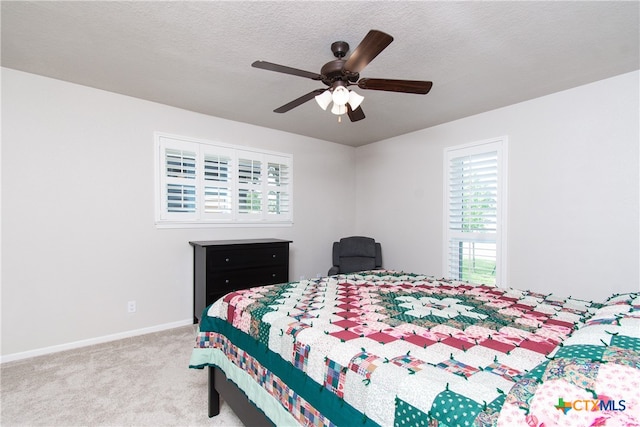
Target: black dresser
x: 223, y: 266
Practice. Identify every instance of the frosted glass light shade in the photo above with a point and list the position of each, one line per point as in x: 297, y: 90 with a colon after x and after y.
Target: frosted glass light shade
x: 338, y: 109
x: 340, y: 95
x: 355, y: 100
x: 324, y: 99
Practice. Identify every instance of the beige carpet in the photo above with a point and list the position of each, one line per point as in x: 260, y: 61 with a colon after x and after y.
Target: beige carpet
x: 140, y: 381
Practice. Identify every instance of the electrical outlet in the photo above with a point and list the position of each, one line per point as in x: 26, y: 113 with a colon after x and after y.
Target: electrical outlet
x: 131, y: 307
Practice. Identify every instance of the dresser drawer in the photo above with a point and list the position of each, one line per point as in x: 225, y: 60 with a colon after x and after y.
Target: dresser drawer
x: 221, y: 283
x: 257, y: 256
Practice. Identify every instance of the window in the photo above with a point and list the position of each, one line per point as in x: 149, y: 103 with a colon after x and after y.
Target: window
x: 475, y: 205
x: 200, y: 183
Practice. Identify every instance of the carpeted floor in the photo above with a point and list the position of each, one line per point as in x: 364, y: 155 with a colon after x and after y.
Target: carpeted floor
x: 140, y: 381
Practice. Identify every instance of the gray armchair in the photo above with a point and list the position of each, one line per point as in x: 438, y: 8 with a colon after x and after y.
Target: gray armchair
x: 356, y: 253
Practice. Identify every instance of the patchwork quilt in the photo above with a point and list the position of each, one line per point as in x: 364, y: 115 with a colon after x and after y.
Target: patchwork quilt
x: 390, y: 348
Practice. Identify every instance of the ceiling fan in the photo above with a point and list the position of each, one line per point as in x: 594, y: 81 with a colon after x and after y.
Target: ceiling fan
x: 341, y: 73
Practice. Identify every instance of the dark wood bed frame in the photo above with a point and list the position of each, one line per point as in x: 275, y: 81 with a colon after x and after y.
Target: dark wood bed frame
x: 237, y: 400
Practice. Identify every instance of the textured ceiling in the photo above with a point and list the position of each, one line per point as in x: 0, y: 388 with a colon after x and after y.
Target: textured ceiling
x: 197, y: 55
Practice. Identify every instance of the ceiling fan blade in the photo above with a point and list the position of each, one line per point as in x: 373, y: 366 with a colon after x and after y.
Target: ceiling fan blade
x: 299, y: 101
x: 355, y: 115
x: 287, y: 70
x: 373, y: 43
x: 406, y: 86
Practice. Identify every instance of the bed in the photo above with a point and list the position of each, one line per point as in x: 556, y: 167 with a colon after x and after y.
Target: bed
x: 396, y: 349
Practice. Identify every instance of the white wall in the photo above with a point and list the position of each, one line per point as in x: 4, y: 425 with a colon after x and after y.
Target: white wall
x: 573, y: 190
x: 78, y: 234
x: 79, y: 241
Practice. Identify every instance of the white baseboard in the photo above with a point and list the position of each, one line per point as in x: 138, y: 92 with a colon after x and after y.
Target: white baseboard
x: 93, y: 341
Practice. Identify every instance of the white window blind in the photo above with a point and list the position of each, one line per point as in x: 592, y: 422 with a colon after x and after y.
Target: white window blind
x: 199, y: 182
x: 474, y: 212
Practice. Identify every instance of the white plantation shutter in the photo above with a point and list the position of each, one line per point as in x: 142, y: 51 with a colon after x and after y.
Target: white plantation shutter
x: 179, y: 180
x: 278, y: 187
x: 218, y: 183
x: 205, y: 183
x: 249, y: 185
x: 474, y: 214
x: 264, y: 186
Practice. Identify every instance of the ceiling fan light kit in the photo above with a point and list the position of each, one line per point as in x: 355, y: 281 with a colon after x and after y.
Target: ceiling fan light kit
x: 341, y: 96
x: 339, y: 73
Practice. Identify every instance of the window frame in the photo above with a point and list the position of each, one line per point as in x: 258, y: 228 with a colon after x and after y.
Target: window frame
x: 499, y: 145
x: 205, y: 180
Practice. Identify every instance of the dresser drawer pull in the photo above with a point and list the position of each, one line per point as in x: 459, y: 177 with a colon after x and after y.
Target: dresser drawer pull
x: 273, y: 275
x: 226, y: 281
x: 227, y: 260
x: 274, y: 255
